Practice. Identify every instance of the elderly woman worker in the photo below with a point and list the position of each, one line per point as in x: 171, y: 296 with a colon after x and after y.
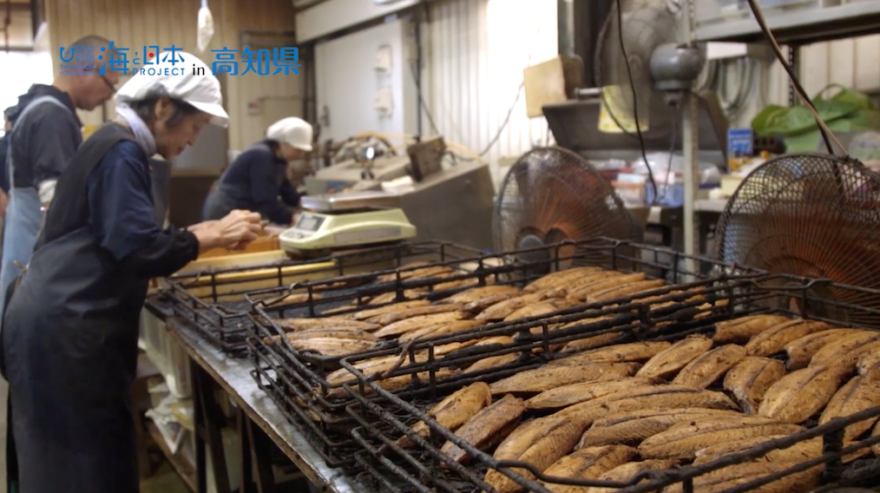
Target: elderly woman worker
x: 71, y: 326
x: 257, y: 179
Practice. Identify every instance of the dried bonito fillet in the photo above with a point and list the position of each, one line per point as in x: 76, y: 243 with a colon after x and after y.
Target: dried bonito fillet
x: 332, y: 346
x: 800, y: 351
x: 633, y: 427
x: 487, y: 428
x: 575, y: 393
x: 404, y: 325
x: 437, y: 330
x: 628, y: 289
x: 536, y: 310
x: 298, y: 324
x: 675, y: 357
x: 550, y: 377
x: 868, y: 360
x: 560, y: 277
x: 744, y: 328
x: 396, y: 307
x: 799, y: 452
x: 408, y: 294
x: 683, y: 440
x: 393, y: 383
x: 540, y: 442
x: 657, y: 397
x: 474, y: 294
x: 729, y: 477
x: 501, y: 310
x: 705, y: 369
x: 619, y: 353
x: 587, y: 463
x: 580, y: 294
x: 860, y: 393
x: 453, y: 411
x: 846, y: 350
x: 774, y: 339
x: 422, y: 273
x: 624, y: 473
x: 749, y: 380
x: 400, y: 315
x: 802, y: 393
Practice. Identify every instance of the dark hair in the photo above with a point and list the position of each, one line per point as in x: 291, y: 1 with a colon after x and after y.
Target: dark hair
x: 8, y: 112
x: 144, y: 108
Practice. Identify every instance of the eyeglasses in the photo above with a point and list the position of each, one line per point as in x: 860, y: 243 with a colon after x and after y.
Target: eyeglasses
x: 109, y: 84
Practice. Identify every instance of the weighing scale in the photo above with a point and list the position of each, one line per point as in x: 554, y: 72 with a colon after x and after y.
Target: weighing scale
x: 339, y: 221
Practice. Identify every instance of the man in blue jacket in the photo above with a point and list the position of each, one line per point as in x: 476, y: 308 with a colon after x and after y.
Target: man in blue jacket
x: 46, y: 132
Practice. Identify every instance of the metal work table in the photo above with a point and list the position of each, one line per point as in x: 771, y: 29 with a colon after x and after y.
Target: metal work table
x: 234, y: 377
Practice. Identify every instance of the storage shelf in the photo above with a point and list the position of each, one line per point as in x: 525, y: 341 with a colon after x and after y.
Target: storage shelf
x: 801, y: 26
x: 183, y: 467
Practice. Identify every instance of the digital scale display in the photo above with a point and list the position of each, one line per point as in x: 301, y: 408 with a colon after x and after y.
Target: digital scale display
x: 308, y: 222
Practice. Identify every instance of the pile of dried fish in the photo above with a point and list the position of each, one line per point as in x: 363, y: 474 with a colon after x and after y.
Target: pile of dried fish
x: 612, y: 412
x: 419, y: 319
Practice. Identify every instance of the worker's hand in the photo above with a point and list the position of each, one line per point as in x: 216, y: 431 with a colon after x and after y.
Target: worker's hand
x: 237, y: 229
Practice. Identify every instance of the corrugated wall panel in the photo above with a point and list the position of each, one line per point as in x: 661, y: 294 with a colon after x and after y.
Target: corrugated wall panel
x: 475, y: 51
x: 134, y: 23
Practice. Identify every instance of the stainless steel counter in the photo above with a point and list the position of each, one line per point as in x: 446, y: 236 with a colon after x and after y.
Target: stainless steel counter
x: 233, y: 375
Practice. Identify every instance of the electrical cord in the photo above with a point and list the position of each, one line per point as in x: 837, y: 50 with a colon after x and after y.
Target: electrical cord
x: 827, y: 135
x: 672, y: 143
x: 632, y: 86
x: 412, y: 72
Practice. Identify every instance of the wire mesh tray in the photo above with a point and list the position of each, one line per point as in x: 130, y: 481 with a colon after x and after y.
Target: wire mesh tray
x: 312, y: 371
x: 383, y: 417
x: 213, y: 300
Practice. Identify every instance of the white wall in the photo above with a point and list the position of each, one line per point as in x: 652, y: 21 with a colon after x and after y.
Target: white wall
x: 335, y: 15
x: 347, y: 83
x: 27, y: 69
x: 475, y: 53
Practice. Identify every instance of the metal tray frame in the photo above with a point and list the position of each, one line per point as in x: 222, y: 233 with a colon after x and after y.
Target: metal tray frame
x: 382, y: 420
x: 225, y: 324
x: 300, y: 387
x: 311, y: 370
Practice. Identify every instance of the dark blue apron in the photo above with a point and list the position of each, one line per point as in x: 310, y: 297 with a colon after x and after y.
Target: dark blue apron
x: 69, y: 348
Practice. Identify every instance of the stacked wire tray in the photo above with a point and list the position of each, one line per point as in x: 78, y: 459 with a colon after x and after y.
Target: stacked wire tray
x: 772, y: 400
x: 310, y: 387
x: 213, y: 302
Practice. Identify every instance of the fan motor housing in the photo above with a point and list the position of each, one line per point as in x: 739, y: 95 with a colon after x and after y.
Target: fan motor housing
x: 675, y: 67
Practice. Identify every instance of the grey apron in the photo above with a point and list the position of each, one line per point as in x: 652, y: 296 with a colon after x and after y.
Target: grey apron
x: 24, y: 215
x: 69, y: 348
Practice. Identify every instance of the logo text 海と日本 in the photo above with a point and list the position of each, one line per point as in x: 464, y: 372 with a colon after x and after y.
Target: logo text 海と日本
x: 84, y: 60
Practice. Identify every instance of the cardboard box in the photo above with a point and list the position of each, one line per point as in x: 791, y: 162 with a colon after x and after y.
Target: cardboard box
x: 551, y: 82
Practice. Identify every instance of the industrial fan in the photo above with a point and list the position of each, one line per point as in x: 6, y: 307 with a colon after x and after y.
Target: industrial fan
x: 649, y: 72
x: 808, y: 215
x: 550, y: 195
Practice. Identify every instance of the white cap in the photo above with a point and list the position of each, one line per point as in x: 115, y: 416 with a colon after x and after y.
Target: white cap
x: 293, y: 131
x: 188, y: 79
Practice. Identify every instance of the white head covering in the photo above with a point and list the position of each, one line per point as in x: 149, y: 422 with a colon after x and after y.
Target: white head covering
x: 293, y: 131
x: 189, y: 80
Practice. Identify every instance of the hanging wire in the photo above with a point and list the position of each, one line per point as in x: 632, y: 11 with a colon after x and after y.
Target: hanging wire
x: 827, y: 135
x: 632, y: 85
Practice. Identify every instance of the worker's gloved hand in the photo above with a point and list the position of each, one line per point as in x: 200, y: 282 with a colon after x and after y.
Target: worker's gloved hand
x: 236, y: 230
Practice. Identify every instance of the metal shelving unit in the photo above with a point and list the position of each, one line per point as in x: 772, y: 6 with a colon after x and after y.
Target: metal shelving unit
x: 794, y: 27
x: 800, y: 26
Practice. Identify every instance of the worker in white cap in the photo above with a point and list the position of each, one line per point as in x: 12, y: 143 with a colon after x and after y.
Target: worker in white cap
x: 69, y: 341
x: 257, y: 179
